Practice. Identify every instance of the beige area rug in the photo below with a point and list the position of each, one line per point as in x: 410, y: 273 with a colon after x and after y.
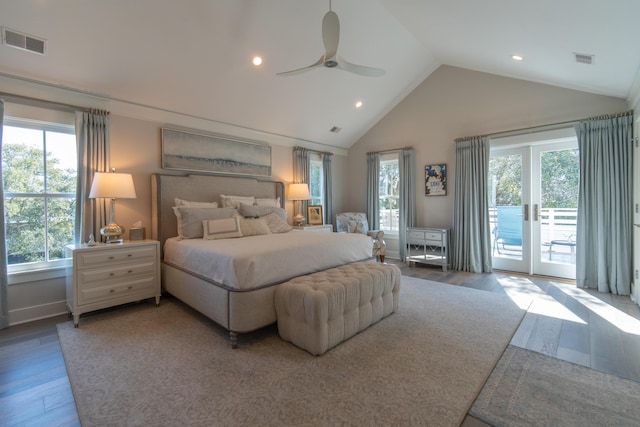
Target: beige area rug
x: 532, y: 389
x: 170, y: 366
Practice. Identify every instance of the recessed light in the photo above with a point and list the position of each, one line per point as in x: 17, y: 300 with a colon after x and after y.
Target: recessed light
x: 358, y: 104
x: 517, y: 57
x: 257, y: 61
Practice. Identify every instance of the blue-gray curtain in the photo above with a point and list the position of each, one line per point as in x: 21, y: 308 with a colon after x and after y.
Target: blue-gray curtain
x: 605, y: 204
x: 471, y: 234
x: 4, y: 303
x: 406, y: 199
x: 328, y: 190
x: 373, y: 190
x: 92, y: 139
x: 301, y: 166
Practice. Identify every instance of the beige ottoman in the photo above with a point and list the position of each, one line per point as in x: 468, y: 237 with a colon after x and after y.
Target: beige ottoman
x: 318, y: 311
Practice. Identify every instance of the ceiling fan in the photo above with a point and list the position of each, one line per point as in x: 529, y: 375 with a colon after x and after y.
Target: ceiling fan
x: 330, y: 59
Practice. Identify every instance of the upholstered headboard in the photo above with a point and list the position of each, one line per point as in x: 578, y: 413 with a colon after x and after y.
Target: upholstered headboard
x: 202, y: 188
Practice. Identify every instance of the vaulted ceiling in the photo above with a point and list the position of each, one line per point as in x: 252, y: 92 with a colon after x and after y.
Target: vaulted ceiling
x: 194, y: 57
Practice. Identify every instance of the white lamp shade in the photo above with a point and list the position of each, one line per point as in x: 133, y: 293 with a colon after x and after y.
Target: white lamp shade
x: 112, y: 185
x: 299, y: 192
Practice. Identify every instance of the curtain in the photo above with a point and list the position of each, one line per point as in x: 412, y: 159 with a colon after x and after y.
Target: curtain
x: 373, y: 190
x: 471, y: 234
x: 301, y: 166
x: 605, y: 204
x: 92, y: 139
x: 406, y: 200
x: 328, y: 191
x: 4, y: 303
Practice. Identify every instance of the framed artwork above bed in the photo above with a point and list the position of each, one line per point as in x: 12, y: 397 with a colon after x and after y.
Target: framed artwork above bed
x: 193, y: 151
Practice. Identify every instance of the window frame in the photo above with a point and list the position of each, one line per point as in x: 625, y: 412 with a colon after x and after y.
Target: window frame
x: 315, y: 161
x: 39, y: 270
x: 389, y: 159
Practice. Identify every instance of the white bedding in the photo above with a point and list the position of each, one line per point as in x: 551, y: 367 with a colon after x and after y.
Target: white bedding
x: 251, y: 262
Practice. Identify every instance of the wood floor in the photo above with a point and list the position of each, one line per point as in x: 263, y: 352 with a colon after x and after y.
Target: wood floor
x: 601, y: 331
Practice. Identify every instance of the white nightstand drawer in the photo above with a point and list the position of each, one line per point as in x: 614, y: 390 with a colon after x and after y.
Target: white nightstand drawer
x: 93, y: 278
x: 115, y: 256
x: 115, y: 290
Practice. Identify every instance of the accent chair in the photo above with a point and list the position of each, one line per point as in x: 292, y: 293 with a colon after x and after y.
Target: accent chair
x: 356, y: 222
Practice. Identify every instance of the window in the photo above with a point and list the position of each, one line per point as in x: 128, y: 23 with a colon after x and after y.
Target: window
x: 389, y: 190
x: 39, y: 165
x: 316, y: 181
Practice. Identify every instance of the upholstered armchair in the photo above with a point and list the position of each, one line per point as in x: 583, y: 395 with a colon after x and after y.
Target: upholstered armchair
x: 356, y: 222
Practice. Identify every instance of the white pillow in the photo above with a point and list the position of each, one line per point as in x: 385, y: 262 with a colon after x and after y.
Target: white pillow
x: 268, y: 202
x: 253, y: 227
x: 192, y: 204
x: 276, y: 224
x: 225, y: 228
x: 190, y: 219
x: 234, y: 201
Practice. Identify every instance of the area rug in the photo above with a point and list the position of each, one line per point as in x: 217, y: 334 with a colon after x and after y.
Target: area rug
x: 423, y: 365
x: 528, y: 388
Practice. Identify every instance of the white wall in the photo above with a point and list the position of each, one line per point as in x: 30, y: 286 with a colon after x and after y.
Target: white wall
x: 455, y: 102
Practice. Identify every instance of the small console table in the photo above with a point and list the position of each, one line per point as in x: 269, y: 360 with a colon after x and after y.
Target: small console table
x: 428, y: 246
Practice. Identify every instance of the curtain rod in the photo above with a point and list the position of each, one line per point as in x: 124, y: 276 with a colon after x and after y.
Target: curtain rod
x: 392, y: 150
x: 315, y: 151
x: 33, y: 102
x: 551, y: 126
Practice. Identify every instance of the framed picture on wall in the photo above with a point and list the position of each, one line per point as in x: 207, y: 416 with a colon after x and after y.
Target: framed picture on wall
x: 435, y: 180
x: 314, y: 215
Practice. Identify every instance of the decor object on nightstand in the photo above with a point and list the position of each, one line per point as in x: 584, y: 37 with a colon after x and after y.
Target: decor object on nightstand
x: 314, y: 215
x: 356, y: 222
x: 107, y: 275
x: 112, y: 185
x: 298, y: 192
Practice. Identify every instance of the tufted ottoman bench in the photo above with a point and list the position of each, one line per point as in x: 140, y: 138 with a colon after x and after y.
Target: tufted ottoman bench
x: 318, y: 311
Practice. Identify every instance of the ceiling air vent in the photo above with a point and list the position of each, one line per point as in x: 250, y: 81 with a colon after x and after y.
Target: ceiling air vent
x: 335, y: 129
x: 23, y: 41
x: 583, y: 58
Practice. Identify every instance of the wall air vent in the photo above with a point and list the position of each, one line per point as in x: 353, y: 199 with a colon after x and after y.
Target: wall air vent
x: 583, y: 58
x: 23, y: 41
x: 335, y: 129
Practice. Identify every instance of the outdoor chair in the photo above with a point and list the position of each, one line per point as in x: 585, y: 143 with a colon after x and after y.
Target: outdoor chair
x: 508, y: 229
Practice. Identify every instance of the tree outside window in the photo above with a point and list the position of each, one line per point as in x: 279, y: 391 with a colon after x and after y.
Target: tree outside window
x: 389, y: 190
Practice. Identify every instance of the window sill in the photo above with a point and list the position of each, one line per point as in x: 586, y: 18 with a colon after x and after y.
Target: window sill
x: 17, y: 278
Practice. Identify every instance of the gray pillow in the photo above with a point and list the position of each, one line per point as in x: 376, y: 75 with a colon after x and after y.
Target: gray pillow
x: 190, y: 219
x: 253, y: 227
x: 252, y: 211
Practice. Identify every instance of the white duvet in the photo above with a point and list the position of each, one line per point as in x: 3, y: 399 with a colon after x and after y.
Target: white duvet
x: 251, y: 262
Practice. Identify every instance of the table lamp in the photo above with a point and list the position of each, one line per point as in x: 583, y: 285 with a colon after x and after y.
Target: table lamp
x: 111, y: 185
x: 297, y: 193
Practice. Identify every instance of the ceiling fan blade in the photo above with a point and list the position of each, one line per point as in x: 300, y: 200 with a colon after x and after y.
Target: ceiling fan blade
x: 330, y: 34
x: 362, y: 70
x: 303, y: 69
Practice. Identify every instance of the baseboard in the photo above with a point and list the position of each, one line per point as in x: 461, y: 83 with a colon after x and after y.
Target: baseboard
x: 37, y: 312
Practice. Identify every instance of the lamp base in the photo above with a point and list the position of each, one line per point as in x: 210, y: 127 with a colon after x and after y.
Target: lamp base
x: 299, y: 220
x: 112, y: 233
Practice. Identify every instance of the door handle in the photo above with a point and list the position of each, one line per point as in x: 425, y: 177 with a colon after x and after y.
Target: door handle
x: 526, y: 212
x: 535, y: 212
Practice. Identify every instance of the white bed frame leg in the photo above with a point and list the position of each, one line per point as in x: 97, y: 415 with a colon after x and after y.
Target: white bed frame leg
x: 233, y: 338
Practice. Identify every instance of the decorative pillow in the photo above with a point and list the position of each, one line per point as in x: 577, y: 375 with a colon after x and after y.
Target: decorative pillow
x: 190, y: 219
x: 234, y: 201
x: 253, y: 227
x: 225, y: 228
x: 268, y: 202
x: 191, y: 204
x: 276, y: 224
x: 249, y: 211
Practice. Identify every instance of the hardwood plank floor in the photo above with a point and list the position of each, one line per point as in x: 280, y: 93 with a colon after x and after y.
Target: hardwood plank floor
x: 601, y: 331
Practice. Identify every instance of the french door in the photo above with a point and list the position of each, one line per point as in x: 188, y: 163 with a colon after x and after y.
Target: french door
x: 533, y: 190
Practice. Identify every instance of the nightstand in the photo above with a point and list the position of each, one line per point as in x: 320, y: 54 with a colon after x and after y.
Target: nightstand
x: 106, y: 275
x: 326, y: 228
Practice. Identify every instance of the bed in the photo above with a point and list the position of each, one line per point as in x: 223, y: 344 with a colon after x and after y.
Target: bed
x: 233, y: 281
